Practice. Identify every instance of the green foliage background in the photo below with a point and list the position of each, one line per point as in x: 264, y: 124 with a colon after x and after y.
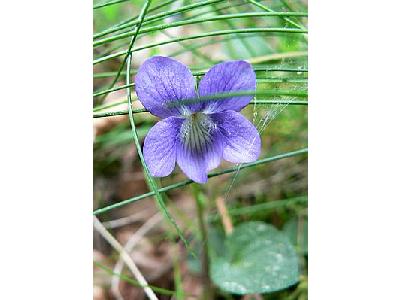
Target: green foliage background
x: 269, y: 34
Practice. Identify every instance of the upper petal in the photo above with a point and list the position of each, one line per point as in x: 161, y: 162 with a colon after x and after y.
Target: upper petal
x: 162, y: 80
x: 242, y: 140
x: 159, y: 148
x: 226, y: 77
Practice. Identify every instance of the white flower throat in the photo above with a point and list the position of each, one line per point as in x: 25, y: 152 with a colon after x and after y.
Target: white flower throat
x: 196, y: 132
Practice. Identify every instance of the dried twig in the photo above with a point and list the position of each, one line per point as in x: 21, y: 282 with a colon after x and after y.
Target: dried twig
x: 133, y: 240
x: 226, y: 219
x: 125, y: 256
x: 126, y: 220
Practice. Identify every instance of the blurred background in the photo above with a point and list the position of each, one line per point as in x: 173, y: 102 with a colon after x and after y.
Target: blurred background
x: 274, y: 193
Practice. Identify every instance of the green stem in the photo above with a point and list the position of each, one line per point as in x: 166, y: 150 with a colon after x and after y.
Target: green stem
x: 200, y: 205
x: 257, y: 102
x: 188, y: 181
x: 199, y: 36
x: 226, y: 18
x: 149, y: 179
x: 263, y: 7
x: 201, y: 73
x: 105, y: 4
x: 156, y: 17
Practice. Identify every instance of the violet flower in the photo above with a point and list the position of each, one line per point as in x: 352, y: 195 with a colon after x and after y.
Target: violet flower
x: 196, y: 135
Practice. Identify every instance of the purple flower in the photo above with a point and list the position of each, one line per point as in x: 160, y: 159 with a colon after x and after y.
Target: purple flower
x: 196, y: 135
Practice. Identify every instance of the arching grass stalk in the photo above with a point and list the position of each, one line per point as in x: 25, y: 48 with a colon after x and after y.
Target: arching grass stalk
x: 226, y: 18
x: 128, y: 22
x: 188, y: 181
x: 199, y: 36
x: 108, y: 3
x: 262, y: 207
x: 195, y: 52
x: 244, y: 42
x: 156, y: 17
x: 149, y: 179
x: 132, y: 281
x: 258, y: 102
x: 265, y: 8
x: 222, y: 96
x: 260, y: 80
x: 133, y: 40
x: 256, y: 68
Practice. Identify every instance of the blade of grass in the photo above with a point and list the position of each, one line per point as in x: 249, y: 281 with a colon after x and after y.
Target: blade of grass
x: 257, y: 68
x: 116, y: 27
x: 296, y: 93
x: 142, y: 110
x: 253, y: 209
x: 133, y: 281
x: 188, y: 181
x: 195, y: 52
x: 133, y: 40
x: 108, y: 3
x: 263, y: 7
x: 149, y: 179
x: 225, y: 18
x: 198, y: 36
x: 222, y: 96
x: 180, y: 293
x: 231, y: 25
x: 157, y: 17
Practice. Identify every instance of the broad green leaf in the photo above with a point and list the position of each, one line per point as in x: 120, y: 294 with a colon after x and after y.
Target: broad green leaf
x: 258, y: 259
x: 216, y: 247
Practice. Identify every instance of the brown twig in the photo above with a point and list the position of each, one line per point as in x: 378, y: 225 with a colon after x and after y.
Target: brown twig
x: 226, y: 219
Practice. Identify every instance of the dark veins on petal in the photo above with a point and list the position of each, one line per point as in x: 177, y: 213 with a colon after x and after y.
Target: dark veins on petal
x: 196, y: 132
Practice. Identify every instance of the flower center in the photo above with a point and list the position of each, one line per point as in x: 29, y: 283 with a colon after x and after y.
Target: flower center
x: 196, y: 132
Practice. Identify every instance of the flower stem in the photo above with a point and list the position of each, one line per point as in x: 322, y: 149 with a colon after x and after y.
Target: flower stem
x: 200, y: 206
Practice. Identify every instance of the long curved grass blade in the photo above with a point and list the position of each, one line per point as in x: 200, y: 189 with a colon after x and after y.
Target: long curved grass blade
x: 108, y: 3
x: 226, y: 18
x: 202, y: 35
x: 270, y: 10
x: 156, y: 17
x: 188, y: 181
x: 253, y: 209
x: 133, y: 40
x: 133, y: 281
x: 256, y: 68
x: 150, y: 181
x: 258, y: 102
x: 125, y: 23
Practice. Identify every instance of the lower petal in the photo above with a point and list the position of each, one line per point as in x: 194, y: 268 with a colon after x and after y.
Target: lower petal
x: 242, y: 140
x: 197, y: 164
x: 213, y: 158
x: 159, y: 148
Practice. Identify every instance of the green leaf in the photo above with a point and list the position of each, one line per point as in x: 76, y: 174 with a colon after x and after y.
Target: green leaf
x: 258, y: 259
x: 296, y: 230
x: 216, y: 247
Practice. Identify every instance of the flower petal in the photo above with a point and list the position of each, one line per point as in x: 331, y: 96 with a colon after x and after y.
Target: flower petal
x: 192, y: 165
x: 162, y: 80
x: 214, y: 156
x: 228, y: 77
x: 159, y: 148
x: 197, y: 164
x: 242, y: 140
